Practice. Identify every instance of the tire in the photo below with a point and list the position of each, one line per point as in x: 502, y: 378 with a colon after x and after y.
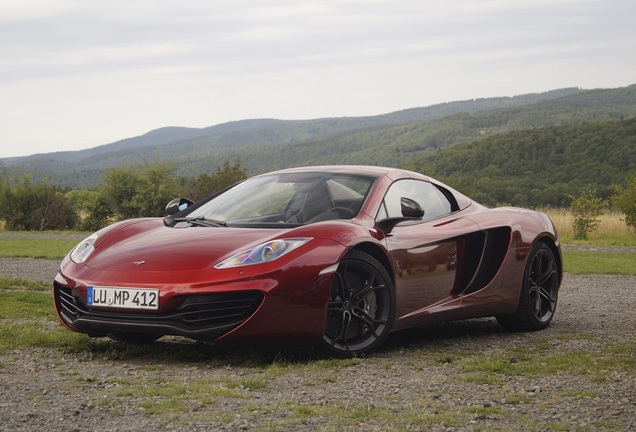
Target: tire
x: 361, y: 307
x: 539, y: 292
x: 134, y: 338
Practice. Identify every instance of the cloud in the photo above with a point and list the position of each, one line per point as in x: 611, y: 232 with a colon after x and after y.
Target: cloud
x: 139, y: 65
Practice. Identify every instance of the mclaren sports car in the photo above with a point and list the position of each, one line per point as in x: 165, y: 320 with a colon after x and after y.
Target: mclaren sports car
x: 336, y: 257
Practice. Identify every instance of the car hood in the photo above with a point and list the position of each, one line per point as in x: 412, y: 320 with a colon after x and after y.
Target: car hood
x: 148, y: 245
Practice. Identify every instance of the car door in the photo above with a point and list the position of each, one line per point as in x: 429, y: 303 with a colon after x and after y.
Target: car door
x: 424, y: 252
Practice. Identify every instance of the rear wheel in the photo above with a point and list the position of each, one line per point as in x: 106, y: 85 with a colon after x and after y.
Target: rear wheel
x: 539, y: 292
x: 361, y: 307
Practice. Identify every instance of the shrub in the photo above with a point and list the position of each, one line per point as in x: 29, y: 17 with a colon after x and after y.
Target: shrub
x: 586, y: 208
x: 625, y: 201
x: 35, y: 207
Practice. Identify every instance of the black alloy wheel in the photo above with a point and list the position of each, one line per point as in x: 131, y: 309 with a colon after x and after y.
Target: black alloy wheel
x: 539, y: 292
x: 361, y: 307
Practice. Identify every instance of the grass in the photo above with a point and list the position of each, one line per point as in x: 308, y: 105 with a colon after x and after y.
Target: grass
x: 592, y: 262
x: 595, y: 363
x: 24, y: 305
x: 18, y: 334
x: 345, y: 415
x: 23, y: 284
x: 205, y: 391
x: 30, y: 247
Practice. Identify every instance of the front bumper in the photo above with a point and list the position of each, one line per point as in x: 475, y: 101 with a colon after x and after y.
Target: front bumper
x: 197, y: 316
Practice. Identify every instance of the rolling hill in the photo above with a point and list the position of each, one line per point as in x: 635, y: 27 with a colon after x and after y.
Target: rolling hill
x: 397, y: 139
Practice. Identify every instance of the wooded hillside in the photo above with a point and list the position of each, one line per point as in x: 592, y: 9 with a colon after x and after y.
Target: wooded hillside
x: 539, y: 166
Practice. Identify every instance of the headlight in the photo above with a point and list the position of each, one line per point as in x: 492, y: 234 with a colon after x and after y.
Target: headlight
x: 262, y: 253
x: 84, y: 249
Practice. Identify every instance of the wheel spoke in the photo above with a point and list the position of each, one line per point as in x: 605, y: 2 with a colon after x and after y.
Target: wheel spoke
x: 548, y: 303
x: 365, y: 318
x: 368, y: 320
x: 343, y: 284
x: 546, y: 295
x: 545, y: 267
x: 345, y: 320
x: 547, y: 274
x: 535, y: 298
x: 535, y: 270
x: 364, y: 292
x: 542, y: 302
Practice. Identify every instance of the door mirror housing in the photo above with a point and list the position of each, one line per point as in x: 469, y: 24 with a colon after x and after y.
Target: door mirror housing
x: 411, y: 208
x: 411, y: 211
x: 178, y: 204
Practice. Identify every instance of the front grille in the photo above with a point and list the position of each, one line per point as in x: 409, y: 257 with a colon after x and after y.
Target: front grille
x: 197, y: 315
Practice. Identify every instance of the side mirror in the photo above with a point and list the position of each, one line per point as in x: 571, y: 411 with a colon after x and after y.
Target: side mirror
x: 178, y: 204
x: 410, y: 208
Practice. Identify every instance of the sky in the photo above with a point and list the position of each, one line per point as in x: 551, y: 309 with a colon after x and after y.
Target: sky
x: 75, y: 74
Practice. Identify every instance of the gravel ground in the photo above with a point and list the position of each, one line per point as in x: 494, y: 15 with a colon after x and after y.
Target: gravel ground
x: 404, y: 387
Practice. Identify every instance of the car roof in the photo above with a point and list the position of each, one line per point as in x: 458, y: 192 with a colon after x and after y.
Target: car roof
x: 378, y: 171
x: 375, y: 171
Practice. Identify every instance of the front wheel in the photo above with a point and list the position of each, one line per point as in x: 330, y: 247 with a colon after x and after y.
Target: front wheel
x: 539, y: 292
x: 361, y: 307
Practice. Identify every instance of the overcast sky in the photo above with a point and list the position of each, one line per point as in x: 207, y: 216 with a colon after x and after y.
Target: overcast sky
x: 76, y: 74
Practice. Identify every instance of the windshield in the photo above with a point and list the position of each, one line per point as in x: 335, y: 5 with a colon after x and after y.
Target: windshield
x: 296, y: 198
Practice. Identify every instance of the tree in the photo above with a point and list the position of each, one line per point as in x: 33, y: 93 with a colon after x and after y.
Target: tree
x: 93, y: 211
x: 99, y: 216
x: 118, y: 190
x: 586, y: 208
x: 140, y: 190
x: 28, y: 206
x: 625, y: 201
x: 224, y: 176
x: 5, y: 194
x: 157, y: 186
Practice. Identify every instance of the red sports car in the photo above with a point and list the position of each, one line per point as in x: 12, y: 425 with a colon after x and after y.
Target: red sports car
x: 334, y: 256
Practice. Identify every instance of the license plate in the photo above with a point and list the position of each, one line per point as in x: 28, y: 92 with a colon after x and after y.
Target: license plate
x: 116, y: 297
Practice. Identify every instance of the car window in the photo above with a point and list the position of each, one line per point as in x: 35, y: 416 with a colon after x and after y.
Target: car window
x: 295, y: 198
x: 428, y: 196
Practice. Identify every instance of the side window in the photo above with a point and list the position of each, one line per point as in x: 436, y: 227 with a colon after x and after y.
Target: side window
x: 429, y: 197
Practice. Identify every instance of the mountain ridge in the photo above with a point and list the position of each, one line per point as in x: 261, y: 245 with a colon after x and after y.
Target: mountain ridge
x: 381, y: 139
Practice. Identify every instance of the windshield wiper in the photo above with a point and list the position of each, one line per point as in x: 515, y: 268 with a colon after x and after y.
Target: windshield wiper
x: 201, y: 221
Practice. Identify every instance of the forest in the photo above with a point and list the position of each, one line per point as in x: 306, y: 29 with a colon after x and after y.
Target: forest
x: 539, y: 167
